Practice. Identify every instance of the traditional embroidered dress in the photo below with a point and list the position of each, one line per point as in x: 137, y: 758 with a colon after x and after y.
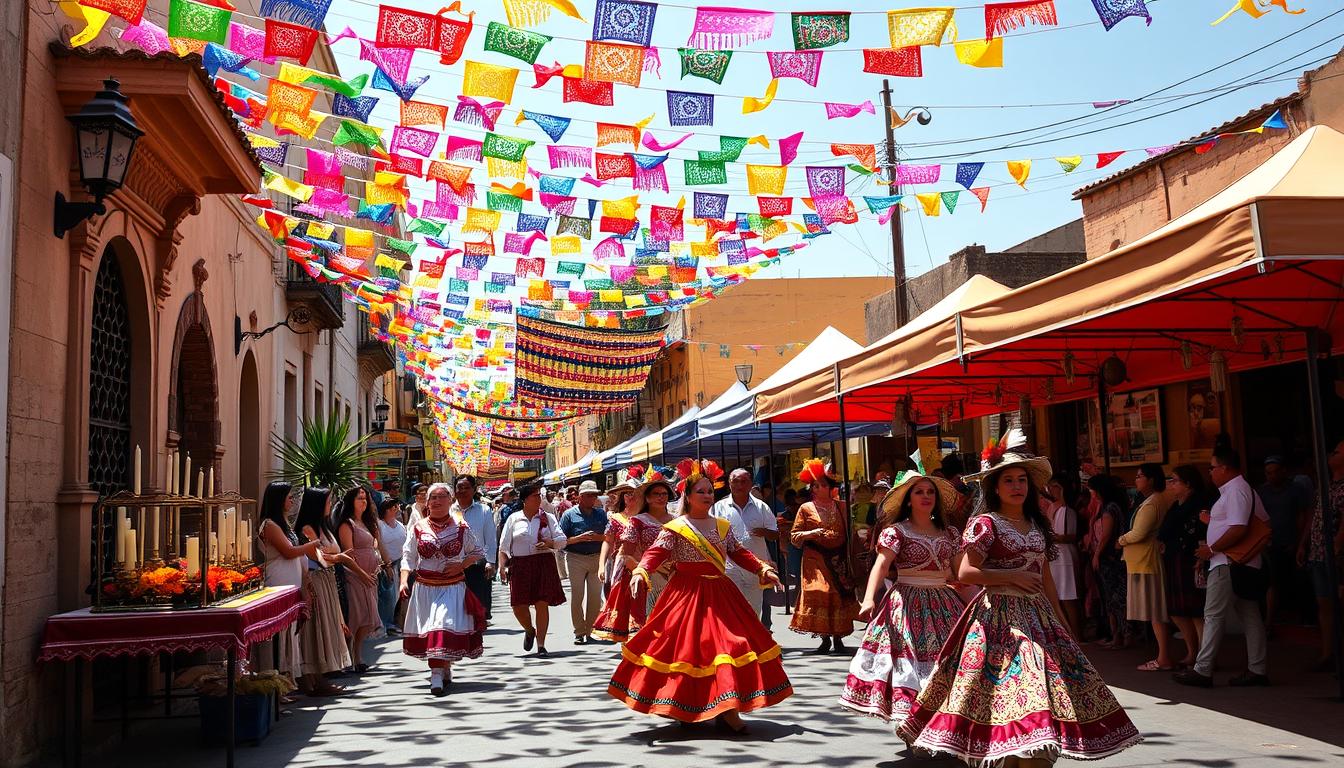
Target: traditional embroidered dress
x: 1011, y: 681
x: 825, y: 605
x: 703, y: 651
x: 444, y: 620
x: 902, y: 642
x: 623, y: 614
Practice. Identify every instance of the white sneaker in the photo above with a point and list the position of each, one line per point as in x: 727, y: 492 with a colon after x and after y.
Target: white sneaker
x: 436, y: 681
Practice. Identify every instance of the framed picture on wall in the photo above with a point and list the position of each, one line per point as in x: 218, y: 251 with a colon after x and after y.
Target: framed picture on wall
x: 1134, y: 428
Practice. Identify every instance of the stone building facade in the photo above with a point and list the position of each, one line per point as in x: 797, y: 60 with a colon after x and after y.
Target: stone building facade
x: 124, y: 332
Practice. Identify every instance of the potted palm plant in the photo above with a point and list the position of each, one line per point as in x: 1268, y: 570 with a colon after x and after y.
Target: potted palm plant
x: 324, y: 456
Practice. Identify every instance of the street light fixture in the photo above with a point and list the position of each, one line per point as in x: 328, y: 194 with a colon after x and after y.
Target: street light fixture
x: 743, y: 371
x: 105, y: 134
x: 380, y: 414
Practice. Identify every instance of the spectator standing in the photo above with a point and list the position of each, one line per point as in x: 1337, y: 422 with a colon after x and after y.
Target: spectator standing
x: 1106, y: 562
x: 1311, y: 553
x: 754, y: 525
x: 1145, y: 598
x: 1288, y: 505
x: 1183, y: 574
x: 392, y: 533
x: 285, y: 565
x: 1229, y: 523
x: 482, y: 524
x: 357, y: 532
x: 419, y: 494
x: 1064, y: 568
x: 584, y: 527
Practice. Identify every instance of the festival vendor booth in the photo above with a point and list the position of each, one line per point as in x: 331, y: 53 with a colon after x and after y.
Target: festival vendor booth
x: 572, y: 470
x: 174, y: 572
x: 1249, y: 279
x: 675, y: 436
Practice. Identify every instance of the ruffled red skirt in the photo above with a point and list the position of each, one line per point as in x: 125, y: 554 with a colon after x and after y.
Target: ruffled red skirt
x: 702, y: 652
x: 622, y: 614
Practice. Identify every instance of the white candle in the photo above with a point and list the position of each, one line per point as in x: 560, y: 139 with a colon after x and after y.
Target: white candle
x: 155, y: 546
x: 122, y: 525
x: 210, y: 484
x: 185, y: 488
x: 140, y: 555
x: 247, y: 541
x: 172, y: 474
x: 193, y: 556
x: 214, y: 548
x: 129, y: 548
x: 137, y: 471
x: 225, y: 543
x: 200, y: 483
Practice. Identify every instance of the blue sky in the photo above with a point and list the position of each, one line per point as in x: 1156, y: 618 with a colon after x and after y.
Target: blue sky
x: 1050, y: 76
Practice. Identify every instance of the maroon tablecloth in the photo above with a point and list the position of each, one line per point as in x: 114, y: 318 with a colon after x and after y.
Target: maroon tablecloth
x: 240, y: 622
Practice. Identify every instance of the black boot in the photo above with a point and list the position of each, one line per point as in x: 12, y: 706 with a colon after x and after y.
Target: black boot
x: 822, y: 649
x: 839, y: 649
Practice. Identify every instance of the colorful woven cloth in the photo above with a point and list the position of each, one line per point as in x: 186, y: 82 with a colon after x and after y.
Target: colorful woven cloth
x: 597, y: 369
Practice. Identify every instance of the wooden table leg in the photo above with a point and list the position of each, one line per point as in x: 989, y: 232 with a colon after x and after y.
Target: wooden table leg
x: 230, y: 704
x: 76, y: 746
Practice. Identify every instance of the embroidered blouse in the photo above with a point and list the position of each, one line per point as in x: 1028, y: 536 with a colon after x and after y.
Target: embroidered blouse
x: 430, y: 550
x: 919, y: 552
x: 672, y: 547
x: 1003, y: 546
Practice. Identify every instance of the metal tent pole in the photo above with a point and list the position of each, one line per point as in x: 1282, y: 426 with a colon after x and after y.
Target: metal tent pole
x: 1323, y: 492
x: 1103, y: 408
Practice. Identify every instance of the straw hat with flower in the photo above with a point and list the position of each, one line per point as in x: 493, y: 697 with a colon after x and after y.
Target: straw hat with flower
x: 905, y: 483
x: 1008, y: 452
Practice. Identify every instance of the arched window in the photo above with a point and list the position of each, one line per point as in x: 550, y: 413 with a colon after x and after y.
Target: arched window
x: 109, y: 389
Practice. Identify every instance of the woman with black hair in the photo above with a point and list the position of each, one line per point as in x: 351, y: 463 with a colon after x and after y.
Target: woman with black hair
x: 1181, y: 532
x: 826, y: 605
x: 915, y: 550
x: 357, y: 532
x: 1145, y: 599
x: 284, y: 563
x: 322, y: 636
x: 1106, y: 561
x: 1011, y: 686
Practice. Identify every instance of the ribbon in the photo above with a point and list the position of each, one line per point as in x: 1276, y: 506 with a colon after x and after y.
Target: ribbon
x: 1256, y: 9
x: 653, y: 144
x: 751, y: 104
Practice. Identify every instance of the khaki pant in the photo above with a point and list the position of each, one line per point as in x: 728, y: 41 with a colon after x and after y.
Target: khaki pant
x: 1220, y: 602
x: 585, y: 592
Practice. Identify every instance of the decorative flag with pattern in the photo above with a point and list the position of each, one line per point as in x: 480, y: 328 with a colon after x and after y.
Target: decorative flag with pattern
x: 628, y: 21
x: 709, y: 65
x: 819, y: 29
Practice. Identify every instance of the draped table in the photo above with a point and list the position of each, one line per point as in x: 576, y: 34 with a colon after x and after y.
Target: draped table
x: 232, y: 626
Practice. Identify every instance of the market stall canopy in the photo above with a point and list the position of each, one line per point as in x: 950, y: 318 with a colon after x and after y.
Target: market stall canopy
x: 615, y: 457
x: 556, y: 475
x: 1237, y: 283
x: 672, y: 434
x: 810, y: 395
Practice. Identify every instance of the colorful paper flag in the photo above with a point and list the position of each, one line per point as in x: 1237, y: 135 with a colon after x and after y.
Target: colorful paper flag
x: 984, y: 54
x: 751, y: 104
x: 1006, y: 17
x: 800, y: 65
x: 1112, y: 12
x: 686, y: 109
x: 198, y: 21
x: 819, y: 29
x: 1020, y: 170
x: 628, y: 21
x: 518, y: 43
x: 898, y: 62
x: 729, y: 28
x: 489, y: 81
x: 920, y: 26
x: 709, y: 65
x: 613, y: 62
x: 1068, y: 164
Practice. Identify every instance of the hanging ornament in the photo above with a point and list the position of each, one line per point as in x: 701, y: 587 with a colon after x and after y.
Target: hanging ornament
x: 1067, y: 365
x: 1113, y: 371
x: 1026, y: 415
x: 1278, y: 347
x: 961, y: 410
x: 945, y: 419
x: 1218, y: 371
x: 1238, y: 330
x: 1187, y: 356
x: 998, y: 393
x: 1265, y: 351
x: 1048, y: 388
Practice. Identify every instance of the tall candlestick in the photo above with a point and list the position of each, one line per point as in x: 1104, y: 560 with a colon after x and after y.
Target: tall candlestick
x: 172, y: 474
x: 210, y: 483
x: 136, y: 485
x: 200, y: 483
x: 186, y: 478
x: 214, y: 548
x: 140, y: 527
x: 154, y: 548
x: 119, y: 541
x: 193, y: 556
x: 128, y: 547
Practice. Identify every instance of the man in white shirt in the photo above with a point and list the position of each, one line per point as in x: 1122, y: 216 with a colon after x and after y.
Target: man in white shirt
x: 1229, y: 521
x: 753, y: 524
x: 482, y: 524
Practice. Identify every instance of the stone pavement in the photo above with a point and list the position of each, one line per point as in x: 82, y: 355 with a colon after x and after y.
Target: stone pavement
x: 508, y: 709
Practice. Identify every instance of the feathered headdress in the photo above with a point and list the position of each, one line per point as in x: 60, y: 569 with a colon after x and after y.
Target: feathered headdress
x: 635, y: 472
x: 1009, y: 451
x: 691, y: 470
x: 814, y: 470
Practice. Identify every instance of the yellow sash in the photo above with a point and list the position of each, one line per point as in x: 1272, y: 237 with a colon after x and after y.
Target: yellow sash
x: 683, y: 528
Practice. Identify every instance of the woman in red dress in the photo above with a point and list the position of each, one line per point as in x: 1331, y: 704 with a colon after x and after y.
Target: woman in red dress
x: 645, y: 515
x: 703, y: 654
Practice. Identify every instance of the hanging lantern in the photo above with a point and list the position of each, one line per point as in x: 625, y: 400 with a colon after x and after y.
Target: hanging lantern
x: 1238, y: 330
x: 1187, y: 356
x: 1025, y: 414
x: 945, y: 419
x: 1067, y: 365
x: 900, y: 419
x: 1048, y: 388
x: 1218, y: 371
x: 1113, y: 371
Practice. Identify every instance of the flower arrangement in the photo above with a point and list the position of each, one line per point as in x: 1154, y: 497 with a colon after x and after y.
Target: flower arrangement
x: 170, y: 585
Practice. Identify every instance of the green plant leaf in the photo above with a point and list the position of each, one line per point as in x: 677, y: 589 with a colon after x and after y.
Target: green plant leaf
x: 324, y: 456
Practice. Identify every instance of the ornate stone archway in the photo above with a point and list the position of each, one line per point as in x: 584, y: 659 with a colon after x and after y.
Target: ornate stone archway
x: 193, y: 395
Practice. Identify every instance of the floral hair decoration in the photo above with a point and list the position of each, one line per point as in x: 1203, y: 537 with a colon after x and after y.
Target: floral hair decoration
x: 814, y: 470
x: 691, y: 470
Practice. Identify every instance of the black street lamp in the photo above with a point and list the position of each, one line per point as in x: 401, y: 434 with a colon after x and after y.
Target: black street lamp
x: 380, y: 413
x: 105, y: 134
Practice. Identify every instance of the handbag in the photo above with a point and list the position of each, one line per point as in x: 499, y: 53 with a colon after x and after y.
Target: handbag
x: 1254, y: 540
x: 1248, y: 582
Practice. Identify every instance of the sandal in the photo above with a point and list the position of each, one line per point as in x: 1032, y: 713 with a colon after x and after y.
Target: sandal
x: 1152, y: 666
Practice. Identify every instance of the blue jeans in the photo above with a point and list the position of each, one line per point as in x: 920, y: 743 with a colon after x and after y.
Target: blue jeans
x: 387, y: 596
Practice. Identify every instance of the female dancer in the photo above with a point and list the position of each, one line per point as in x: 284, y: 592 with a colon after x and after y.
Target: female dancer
x: 826, y: 605
x: 321, y: 637
x: 444, y: 620
x: 624, y: 613
x: 357, y: 532
x: 703, y: 653
x: 1011, y: 686
x: 527, y: 548
x: 618, y: 517
x: 915, y: 549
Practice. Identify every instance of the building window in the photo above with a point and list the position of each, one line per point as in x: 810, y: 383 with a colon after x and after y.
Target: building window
x: 109, y: 391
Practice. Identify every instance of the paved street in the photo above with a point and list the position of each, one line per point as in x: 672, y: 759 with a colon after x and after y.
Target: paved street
x: 510, y: 710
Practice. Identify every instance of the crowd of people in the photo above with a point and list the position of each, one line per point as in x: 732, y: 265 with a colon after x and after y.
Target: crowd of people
x: 1009, y: 571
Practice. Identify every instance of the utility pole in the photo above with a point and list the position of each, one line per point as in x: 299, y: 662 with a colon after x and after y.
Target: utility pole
x: 897, y: 236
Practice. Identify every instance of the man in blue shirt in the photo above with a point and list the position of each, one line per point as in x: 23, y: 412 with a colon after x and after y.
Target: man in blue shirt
x: 584, y: 525
x: 478, y: 575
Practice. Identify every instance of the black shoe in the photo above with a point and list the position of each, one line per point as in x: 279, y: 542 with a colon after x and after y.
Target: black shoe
x: 1193, y: 678
x: 822, y: 649
x: 542, y: 653
x: 529, y: 637
x: 1249, y: 679
x: 580, y: 640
